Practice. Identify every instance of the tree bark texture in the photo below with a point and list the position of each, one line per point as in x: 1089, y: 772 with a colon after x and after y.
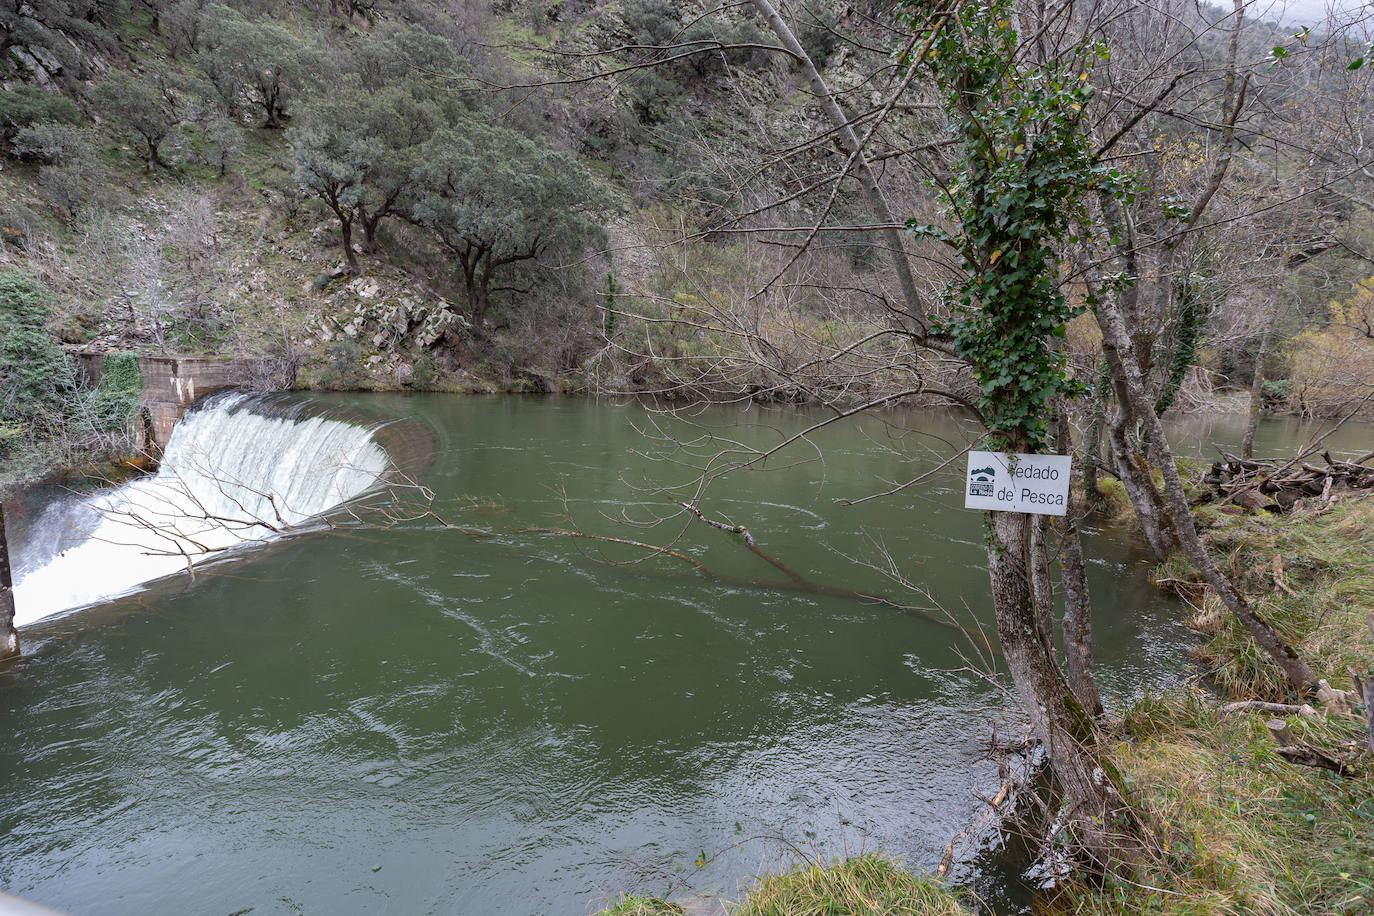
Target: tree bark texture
x: 1092, y: 438
x: 1073, y: 576
x: 1138, y: 481
x: 346, y: 233
x: 1094, y: 808
x: 1247, y: 445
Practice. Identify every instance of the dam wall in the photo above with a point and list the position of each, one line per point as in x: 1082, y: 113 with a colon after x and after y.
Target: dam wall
x: 171, y: 384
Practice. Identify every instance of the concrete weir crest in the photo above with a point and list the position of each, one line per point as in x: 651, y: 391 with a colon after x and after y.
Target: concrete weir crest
x: 171, y: 384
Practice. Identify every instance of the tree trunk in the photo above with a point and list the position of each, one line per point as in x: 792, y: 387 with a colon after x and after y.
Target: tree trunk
x: 478, y: 299
x: 1068, y: 733
x: 370, y: 224
x: 1247, y: 446
x: 1138, y: 480
x: 346, y: 233
x: 1271, y: 317
x: 276, y: 116
x: 1092, y: 438
x: 1042, y: 583
x: 1132, y: 384
x: 849, y: 142
x: 9, y: 636
x: 1073, y: 575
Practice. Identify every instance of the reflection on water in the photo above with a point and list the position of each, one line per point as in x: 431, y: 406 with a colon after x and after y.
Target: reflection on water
x: 414, y: 721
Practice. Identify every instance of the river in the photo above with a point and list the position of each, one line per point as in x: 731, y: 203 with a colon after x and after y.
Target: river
x: 407, y: 719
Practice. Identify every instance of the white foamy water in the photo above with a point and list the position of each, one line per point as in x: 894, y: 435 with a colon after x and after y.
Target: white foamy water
x: 230, y: 476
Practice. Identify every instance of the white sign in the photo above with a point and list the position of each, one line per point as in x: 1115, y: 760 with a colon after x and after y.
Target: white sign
x: 1038, y: 484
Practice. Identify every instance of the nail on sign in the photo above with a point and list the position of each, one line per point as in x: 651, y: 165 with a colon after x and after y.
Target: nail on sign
x: 1038, y: 484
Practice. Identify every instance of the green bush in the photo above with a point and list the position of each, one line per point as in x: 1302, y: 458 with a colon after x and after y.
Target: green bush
x: 24, y: 106
x: 817, y: 32
x: 37, y: 379
x: 71, y: 175
x: 425, y: 374
x: 1276, y: 389
x: 113, y: 402
x: 345, y: 364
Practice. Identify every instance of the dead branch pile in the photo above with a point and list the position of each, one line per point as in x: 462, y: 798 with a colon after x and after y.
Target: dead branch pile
x: 1270, y: 483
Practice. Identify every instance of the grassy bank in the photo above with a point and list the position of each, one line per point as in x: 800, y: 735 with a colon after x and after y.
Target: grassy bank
x: 867, y: 885
x: 1241, y: 830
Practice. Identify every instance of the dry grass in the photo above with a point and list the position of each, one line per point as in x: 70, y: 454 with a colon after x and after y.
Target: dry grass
x: 1309, y: 573
x: 867, y: 885
x: 1243, y: 831
x: 643, y: 906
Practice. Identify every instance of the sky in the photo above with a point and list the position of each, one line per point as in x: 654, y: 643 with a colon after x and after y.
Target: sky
x: 1304, y: 12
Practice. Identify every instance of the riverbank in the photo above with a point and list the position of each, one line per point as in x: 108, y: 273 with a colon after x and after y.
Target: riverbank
x: 1238, y: 828
x: 868, y: 884
x: 1241, y: 829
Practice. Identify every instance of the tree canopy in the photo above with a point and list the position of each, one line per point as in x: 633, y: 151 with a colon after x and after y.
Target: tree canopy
x: 144, y: 105
x: 35, y: 375
x: 357, y: 151
x: 258, y: 64
x: 496, y: 198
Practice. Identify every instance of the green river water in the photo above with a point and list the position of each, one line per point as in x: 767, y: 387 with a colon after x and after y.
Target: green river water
x: 410, y: 720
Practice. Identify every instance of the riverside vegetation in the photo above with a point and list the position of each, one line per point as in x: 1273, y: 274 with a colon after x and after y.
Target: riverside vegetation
x: 1065, y: 223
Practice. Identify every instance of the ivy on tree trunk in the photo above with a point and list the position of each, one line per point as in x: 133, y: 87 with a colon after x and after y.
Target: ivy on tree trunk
x: 1023, y: 168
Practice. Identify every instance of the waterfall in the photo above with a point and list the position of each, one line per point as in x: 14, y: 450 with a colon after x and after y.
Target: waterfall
x: 239, y: 470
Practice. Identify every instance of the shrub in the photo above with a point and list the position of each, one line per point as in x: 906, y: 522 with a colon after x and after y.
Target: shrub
x: 71, y: 174
x: 113, y: 402
x: 345, y: 364
x: 36, y: 376
x: 1276, y: 389
x: 425, y: 373
x: 17, y: 224
x: 25, y: 106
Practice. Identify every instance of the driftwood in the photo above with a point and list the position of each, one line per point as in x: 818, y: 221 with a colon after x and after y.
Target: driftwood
x: 1013, y: 781
x: 1365, y: 688
x: 1293, y: 750
x: 1254, y: 483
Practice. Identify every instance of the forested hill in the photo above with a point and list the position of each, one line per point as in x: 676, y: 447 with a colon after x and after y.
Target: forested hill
x: 376, y: 193
x: 610, y: 196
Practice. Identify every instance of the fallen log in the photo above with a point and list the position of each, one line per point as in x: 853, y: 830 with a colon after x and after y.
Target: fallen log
x: 1293, y: 750
x: 1012, y: 782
